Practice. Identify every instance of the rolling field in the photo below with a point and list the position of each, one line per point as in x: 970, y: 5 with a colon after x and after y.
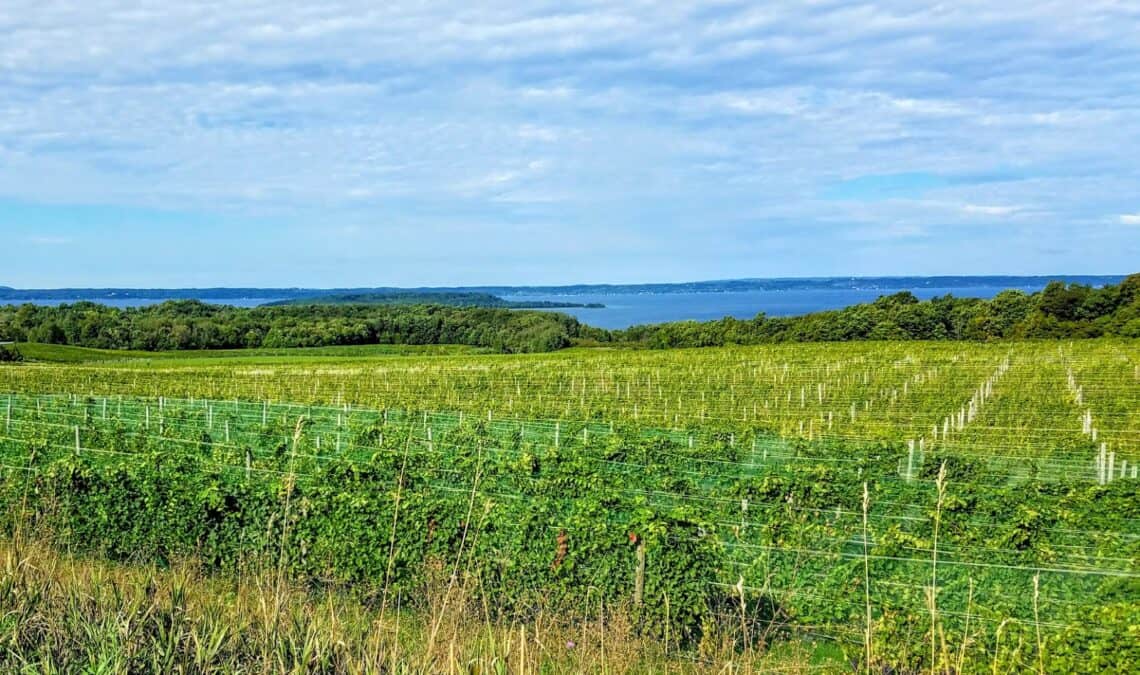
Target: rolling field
x: 928, y: 505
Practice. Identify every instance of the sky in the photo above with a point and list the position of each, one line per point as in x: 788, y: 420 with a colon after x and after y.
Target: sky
x: 363, y: 143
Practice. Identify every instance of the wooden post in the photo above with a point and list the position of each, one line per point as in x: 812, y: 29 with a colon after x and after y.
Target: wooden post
x: 639, y: 576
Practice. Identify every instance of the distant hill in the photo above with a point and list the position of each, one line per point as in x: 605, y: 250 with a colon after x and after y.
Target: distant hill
x: 450, y: 299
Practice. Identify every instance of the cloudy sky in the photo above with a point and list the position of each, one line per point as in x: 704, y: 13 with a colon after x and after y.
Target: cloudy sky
x: 354, y: 142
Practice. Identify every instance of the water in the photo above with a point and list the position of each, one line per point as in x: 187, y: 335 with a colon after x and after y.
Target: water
x: 623, y: 310
x: 123, y: 303
x: 631, y: 309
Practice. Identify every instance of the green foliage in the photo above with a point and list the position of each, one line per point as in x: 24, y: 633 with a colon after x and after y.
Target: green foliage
x: 192, y: 325
x: 384, y: 506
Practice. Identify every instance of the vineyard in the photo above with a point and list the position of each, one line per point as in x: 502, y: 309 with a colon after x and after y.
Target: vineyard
x: 927, y: 505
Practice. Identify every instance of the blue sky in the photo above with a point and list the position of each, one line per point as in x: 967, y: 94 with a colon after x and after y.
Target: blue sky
x: 352, y: 143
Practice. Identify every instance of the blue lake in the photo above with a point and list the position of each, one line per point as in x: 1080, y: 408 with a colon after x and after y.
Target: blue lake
x: 628, y: 309
x: 624, y: 310
x: 138, y: 302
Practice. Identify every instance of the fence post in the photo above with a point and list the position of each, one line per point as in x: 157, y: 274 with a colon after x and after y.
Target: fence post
x: 639, y: 575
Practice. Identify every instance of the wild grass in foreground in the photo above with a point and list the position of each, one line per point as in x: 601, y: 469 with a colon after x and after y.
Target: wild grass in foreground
x: 70, y: 615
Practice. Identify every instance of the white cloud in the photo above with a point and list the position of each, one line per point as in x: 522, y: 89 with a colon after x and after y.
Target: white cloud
x: 50, y: 240
x: 1129, y: 219
x: 645, y: 117
x: 984, y: 210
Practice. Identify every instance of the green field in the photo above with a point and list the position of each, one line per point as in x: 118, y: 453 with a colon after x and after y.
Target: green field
x: 979, y: 501
x: 44, y: 353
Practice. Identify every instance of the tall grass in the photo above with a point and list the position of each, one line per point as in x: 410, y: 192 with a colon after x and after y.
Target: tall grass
x: 64, y: 614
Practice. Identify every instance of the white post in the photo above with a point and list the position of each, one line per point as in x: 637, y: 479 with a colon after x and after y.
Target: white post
x: 1101, y: 461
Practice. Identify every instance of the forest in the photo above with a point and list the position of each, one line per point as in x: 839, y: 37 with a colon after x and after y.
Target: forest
x: 190, y: 324
x: 1059, y: 311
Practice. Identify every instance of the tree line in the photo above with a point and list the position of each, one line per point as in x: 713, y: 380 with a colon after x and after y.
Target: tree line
x: 1059, y: 311
x: 190, y: 324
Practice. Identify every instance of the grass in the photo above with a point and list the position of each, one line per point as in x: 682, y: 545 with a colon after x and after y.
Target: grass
x: 47, y: 353
x: 64, y: 614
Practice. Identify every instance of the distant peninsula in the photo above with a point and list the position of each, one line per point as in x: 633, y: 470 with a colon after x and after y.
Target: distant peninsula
x: 415, y: 297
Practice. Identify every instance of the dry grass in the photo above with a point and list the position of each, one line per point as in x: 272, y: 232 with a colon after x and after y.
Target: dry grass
x: 62, y: 614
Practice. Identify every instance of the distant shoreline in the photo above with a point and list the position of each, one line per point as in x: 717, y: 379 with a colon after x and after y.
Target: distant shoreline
x: 9, y: 295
